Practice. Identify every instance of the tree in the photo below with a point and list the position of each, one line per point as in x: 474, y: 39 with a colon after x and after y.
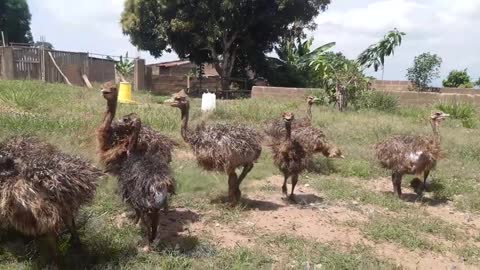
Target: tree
x: 343, y: 79
x: 15, y: 21
x: 477, y: 83
x: 375, y: 54
x: 215, y: 31
x: 426, y: 67
x: 44, y: 44
x: 458, y: 78
x: 291, y: 68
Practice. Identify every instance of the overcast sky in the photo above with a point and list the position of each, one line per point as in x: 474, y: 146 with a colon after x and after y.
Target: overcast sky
x: 445, y: 27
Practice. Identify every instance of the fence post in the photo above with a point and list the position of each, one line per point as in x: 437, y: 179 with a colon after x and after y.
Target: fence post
x: 8, y: 63
x: 139, y: 74
x: 148, y: 78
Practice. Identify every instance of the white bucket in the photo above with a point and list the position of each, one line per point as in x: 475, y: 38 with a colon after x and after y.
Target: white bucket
x: 208, y: 102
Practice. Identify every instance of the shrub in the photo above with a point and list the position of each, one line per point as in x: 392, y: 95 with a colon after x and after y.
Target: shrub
x: 458, y: 78
x: 465, y: 112
x: 377, y: 101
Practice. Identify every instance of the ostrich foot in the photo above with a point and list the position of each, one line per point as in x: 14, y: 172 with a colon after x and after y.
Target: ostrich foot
x: 284, y: 190
x: 292, y: 198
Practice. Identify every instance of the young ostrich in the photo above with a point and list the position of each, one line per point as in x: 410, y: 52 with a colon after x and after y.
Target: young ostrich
x: 113, y: 136
x: 145, y: 183
x: 276, y: 128
x: 42, y: 189
x: 311, y: 138
x: 408, y: 154
x: 220, y: 147
x: 289, y: 155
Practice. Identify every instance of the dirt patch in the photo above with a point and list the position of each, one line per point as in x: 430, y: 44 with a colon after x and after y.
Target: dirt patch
x: 181, y: 154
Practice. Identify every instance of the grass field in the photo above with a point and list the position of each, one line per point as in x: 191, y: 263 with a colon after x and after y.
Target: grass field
x: 347, y: 219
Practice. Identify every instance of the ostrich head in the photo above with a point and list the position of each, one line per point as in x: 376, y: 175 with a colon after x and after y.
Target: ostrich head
x: 312, y: 100
x: 334, y: 152
x: 288, y: 116
x: 438, y: 117
x: 109, y: 91
x: 7, y: 166
x: 178, y: 100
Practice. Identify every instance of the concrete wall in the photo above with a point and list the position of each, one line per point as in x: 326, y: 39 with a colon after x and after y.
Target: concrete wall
x: 405, y: 97
x: 406, y: 86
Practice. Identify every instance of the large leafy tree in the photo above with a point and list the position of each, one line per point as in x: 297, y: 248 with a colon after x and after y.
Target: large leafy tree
x: 458, y: 78
x: 15, y: 21
x: 375, y: 54
x: 215, y: 31
x: 426, y: 68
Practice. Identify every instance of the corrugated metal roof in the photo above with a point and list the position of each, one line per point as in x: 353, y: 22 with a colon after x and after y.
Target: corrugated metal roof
x: 171, y: 63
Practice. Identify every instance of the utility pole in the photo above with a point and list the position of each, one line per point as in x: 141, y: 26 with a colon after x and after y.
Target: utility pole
x: 3, y: 39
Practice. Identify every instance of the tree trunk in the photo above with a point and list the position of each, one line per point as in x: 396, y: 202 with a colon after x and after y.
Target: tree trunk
x: 341, y: 93
x: 224, y: 67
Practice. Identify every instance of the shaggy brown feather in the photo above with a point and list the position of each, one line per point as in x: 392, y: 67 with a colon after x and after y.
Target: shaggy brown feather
x: 409, y: 154
x: 220, y: 147
x: 113, y: 136
x: 44, y: 188
x: 314, y: 141
x: 145, y: 182
x: 275, y: 128
x: 289, y: 155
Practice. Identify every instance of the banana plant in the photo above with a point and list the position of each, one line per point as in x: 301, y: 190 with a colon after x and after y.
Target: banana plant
x: 125, y: 66
x: 375, y: 54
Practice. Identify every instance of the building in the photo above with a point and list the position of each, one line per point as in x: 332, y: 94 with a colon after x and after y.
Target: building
x: 180, y: 68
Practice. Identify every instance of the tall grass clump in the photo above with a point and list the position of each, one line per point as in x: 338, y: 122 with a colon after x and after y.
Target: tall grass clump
x: 376, y: 100
x: 465, y: 112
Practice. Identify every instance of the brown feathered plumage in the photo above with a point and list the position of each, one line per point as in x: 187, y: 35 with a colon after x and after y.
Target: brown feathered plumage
x: 409, y: 154
x: 42, y: 189
x: 220, y: 147
x: 312, y: 139
x: 145, y: 182
x: 289, y: 155
x: 113, y: 136
x: 275, y: 128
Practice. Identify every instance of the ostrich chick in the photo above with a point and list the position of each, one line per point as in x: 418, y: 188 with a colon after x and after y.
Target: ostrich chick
x: 220, y: 147
x: 409, y: 154
x: 276, y: 128
x: 289, y: 155
x: 42, y: 189
x: 145, y: 184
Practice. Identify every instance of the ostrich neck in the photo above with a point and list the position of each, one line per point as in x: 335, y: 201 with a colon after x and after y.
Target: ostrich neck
x: 288, y: 128
x: 110, y: 113
x: 436, y: 132
x: 184, y: 130
x: 309, y: 112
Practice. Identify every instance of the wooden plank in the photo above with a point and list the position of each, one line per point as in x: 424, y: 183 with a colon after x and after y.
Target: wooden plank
x: 59, y: 70
x: 87, y: 81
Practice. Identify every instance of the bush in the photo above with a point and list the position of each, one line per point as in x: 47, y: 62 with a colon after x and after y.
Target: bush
x: 377, y: 101
x: 465, y: 112
x: 458, y: 78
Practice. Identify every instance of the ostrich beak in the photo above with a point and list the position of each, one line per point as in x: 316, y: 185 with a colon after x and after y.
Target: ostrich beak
x: 169, y: 101
x: 106, y: 91
x: 342, y: 157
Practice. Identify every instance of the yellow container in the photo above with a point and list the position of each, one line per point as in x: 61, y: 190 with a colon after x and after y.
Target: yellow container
x: 125, y: 93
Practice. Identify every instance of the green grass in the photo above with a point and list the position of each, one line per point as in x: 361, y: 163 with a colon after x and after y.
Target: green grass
x: 67, y: 117
x: 465, y: 112
x: 303, y: 253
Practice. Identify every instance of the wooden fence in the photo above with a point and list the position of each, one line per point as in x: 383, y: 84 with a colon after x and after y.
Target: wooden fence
x: 25, y: 63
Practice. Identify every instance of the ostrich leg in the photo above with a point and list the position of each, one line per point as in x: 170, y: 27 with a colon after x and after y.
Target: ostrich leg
x: 425, y: 176
x: 294, y: 183
x: 397, y: 184
x: 154, y: 226
x: 75, y: 239
x: 284, y: 187
x: 246, y: 169
x: 232, y: 187
x: 51, y: 239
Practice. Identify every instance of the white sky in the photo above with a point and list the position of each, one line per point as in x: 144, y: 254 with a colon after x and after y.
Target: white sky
x: 445, y: 27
